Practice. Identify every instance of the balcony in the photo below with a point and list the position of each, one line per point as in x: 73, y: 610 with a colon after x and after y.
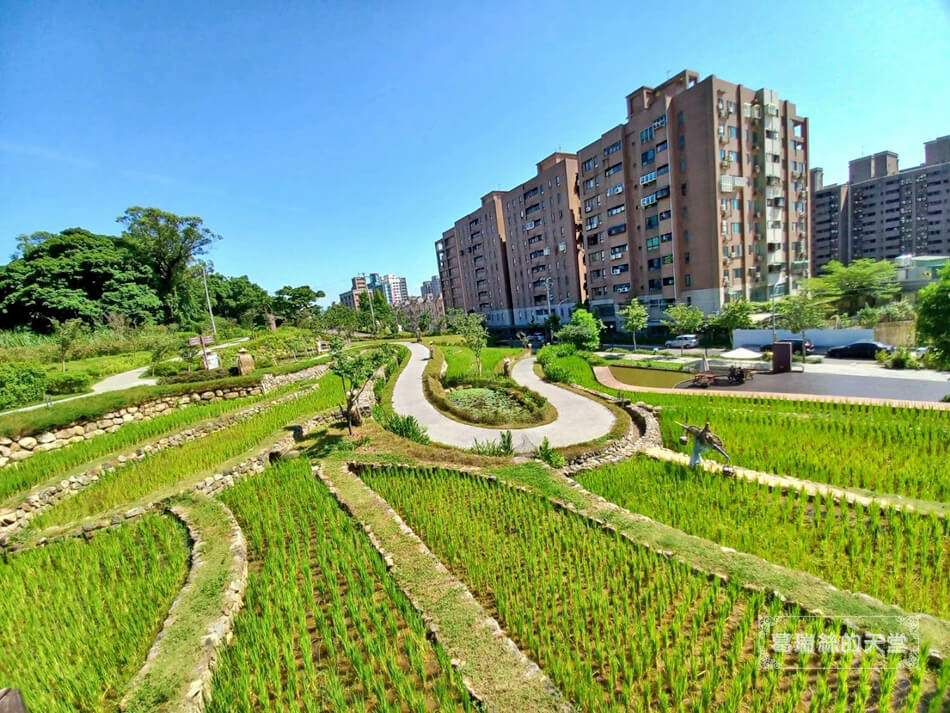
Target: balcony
x: 800, y: 267
x: 776, y: 257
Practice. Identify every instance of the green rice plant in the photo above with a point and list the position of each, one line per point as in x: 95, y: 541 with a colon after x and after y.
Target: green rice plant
x: 64, y: 461
x: 405, y: 426
x: 77, y: 618
x: 902, y: 558
x: 616, y: 626
x: 549, y: 455
x: 172, y: 466
x: 324, y: 627
x: 503, y: 447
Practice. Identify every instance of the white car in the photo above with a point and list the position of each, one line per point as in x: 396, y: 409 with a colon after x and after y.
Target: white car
x: 683, y: 341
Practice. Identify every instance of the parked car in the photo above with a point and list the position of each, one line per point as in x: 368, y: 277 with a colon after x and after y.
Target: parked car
x: 683, y: 341
x: 859, y: 350
x: 796, y: 346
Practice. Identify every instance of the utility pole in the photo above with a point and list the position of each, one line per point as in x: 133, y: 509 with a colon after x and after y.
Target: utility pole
x: 204, y: 279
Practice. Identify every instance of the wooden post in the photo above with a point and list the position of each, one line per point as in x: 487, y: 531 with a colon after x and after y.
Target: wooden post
x: 11, y: 701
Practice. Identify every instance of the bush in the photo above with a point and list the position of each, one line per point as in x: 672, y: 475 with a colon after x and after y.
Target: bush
x: 556, y: 373
x: 502, y: 448
x: 69, y: 382
x: 547, y: 454
x: 21, y: 384
x: 168, y: 368
x: 900, y: 358
x: 406, y: 427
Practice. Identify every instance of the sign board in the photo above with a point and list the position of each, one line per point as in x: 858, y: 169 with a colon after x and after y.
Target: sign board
x: 211, y: 360
x: 200, y: 341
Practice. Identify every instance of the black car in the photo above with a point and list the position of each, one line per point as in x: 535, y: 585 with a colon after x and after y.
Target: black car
x: 796, y: 346
x: 859, y: 350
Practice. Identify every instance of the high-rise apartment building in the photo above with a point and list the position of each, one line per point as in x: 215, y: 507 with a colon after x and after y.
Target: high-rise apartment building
x: 829, y: 222
x: 394, y: 288
x: 391, y: 286
x: 545, y: 264
x: 431, y: 288
x: 516, y: 259
x: 894, y: 212
x: 700, y: 196
x: 473, y: 264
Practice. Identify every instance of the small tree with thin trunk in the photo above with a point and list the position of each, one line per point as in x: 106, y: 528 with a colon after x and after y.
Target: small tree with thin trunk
x: 471, y: 327
x: 800, y: 312
x: 684, y: 319
x: 355, y: 371
x: 635, y: 318
x: 66, y: 335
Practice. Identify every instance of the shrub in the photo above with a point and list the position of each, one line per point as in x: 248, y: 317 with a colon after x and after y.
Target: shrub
x: 70, y: 382
x: 547, y: 454
x: 20, y: 384
x: 901, y: 358
x: 501, y: 448
x: 406, y: 427
x: 190, y: 377
x: 168, y: 368
x: 556, y: 373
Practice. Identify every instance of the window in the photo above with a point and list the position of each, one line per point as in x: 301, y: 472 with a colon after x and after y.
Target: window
x: 647, y: 157
x: 668, y: 259
x: 663, y: 170
x: 682, y: 141
x: 653, y: 264
x: 682, y: 189
x: 593, y: 239
x: 734, y: 156
x: 648, y: 200
x: 646, y: 135
x: 647, y: 178
x: 686, y: 260
x: 663, y: 192
x: 532, y: 192
x: 613, y: 169
x: 532, y: 209
x: 617, y: 229
x: 616, y: 209
x: 624, y: 287
x: 656, y: 284
x: 589, y: 184
x: 614, y: 190
x: 661, y: 147
x: 652, y: 221
x: 666, y: 238
x: 620, y: 269
x: 682, y: 164
x: 588, y: 164
x: 618, y: 252
x: 612, y: 148
x: 736, y: 228
x: 679, y: 118
x: 687, y: 280
x: 665, y: 214
x: 653, y: 243
x: 592, y: 222
x: 737, y: 273
x: 667, y: 281
x: 733, y: 132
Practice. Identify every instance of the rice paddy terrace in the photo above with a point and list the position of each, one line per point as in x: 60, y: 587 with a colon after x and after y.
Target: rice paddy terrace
x: 251, y: 554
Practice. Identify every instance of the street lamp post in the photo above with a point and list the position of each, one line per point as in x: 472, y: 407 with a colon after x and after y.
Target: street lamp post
x: 204, y: 279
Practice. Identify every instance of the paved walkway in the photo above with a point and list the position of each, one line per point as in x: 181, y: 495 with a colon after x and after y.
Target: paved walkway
x: 579, y: 418
x: 833, y: 388
x: 118, y: 382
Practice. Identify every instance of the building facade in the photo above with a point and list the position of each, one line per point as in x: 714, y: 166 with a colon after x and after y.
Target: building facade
x: 432, y: 288
x: 896, y: 212
x: 700, y: 196
x: 545, y: 262
x: 830, y: 222
x: 394, y: 288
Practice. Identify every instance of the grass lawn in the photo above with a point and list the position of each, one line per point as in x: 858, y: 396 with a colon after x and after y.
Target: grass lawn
x: 461, y: 360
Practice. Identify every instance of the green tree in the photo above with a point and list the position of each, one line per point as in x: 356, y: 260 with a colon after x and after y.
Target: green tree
x: 355, y: 371
x: 583, y: 331
x: 635, y: 318
x: 424, y: 324
x: 799, y: 313
x: 340, y: 319
x: 848, y: 288
x: 75, y: 274
x: 296, y: 303
x: 682, y: 318
x: 471, y: 327
x: 933, y: 314
x: 66, y: 334
x: 167, y: 243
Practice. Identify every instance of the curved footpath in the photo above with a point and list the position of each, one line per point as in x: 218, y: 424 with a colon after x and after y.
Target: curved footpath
x: 579, y: 419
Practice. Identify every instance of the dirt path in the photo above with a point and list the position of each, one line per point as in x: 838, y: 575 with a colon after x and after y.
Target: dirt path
x: 492, y: 667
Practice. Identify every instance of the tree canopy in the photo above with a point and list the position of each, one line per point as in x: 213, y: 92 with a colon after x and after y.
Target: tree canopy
x: 848, y: 288
x: 682, y: 318
x: 583, y: 331
x: 933, y: 310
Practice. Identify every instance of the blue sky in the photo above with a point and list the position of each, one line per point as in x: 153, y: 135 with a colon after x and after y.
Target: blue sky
x: 323, y: 139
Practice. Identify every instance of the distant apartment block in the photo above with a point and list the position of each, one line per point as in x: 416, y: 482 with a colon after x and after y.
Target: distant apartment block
x: 883, y: 212
x: 391, y: 286
x: 516, y: 259
x: 700, y: 196
x: 829, y: 222
x: 431, y: 288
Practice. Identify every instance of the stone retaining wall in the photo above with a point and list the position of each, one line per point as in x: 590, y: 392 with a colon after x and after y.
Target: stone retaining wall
x: 19, y: 450
x: 644, y: 432
x: 44, y: 498
x: 219, y: 631
x: 14, y: 451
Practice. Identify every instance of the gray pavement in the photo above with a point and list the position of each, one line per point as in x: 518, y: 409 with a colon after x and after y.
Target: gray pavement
x: 874, y: 387
x: 579, y: 419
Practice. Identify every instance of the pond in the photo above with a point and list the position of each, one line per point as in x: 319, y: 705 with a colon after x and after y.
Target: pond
x: 490, y: 405
x: 648, y: 377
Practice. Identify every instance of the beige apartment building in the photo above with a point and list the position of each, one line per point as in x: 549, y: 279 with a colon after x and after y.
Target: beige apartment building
x: 700, y: 196
x: 545, y: 263
x: 516, y: 259
x: 473, y: 263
